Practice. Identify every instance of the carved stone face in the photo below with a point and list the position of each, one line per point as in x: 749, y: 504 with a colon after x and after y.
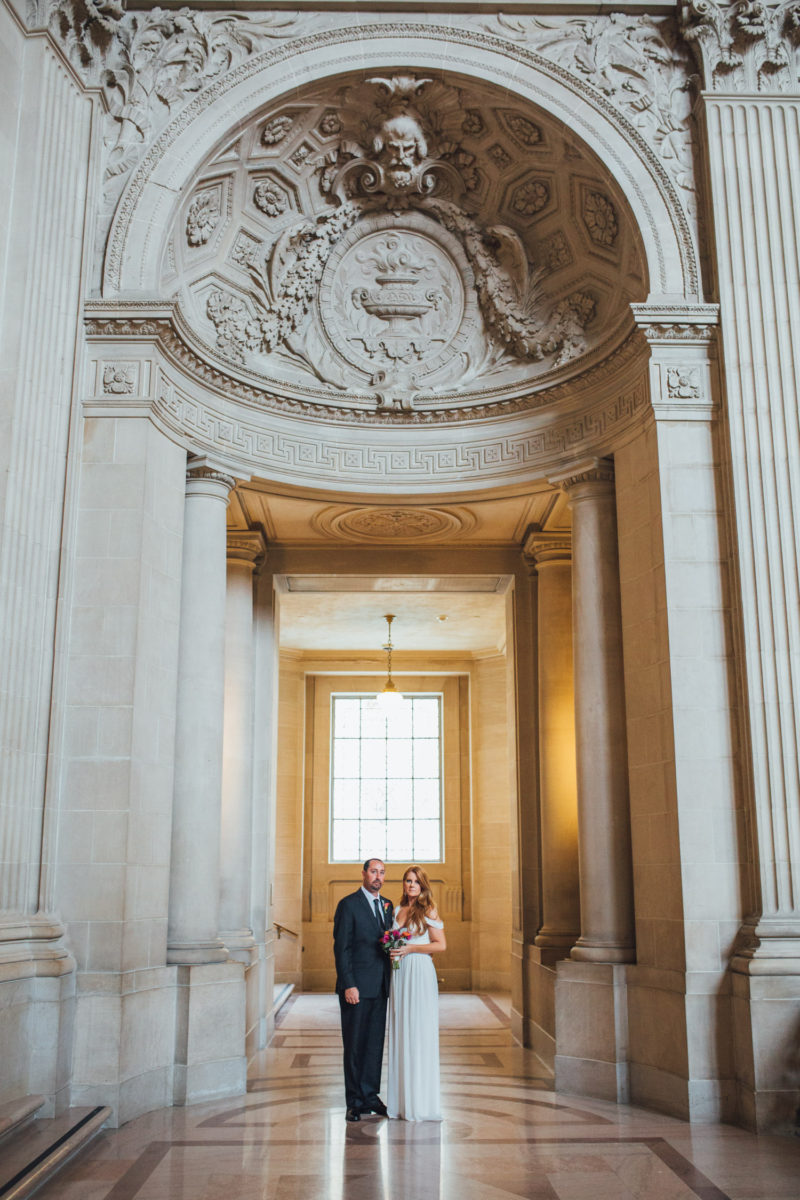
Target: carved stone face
x: 400, y: 145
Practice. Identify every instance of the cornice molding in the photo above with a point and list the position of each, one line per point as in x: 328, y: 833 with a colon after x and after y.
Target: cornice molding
x: 142, y: 322
x: 670, y: 323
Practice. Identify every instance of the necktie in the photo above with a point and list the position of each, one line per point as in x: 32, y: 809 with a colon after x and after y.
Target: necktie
x: 379, y: 913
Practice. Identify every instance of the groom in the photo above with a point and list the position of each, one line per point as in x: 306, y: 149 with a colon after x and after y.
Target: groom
x: 362, y: 984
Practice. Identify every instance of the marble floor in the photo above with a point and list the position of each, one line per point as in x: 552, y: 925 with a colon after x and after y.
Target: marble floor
x: 505, y: 1134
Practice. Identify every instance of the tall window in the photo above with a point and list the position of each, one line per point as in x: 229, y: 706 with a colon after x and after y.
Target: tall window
x: 386, y: 790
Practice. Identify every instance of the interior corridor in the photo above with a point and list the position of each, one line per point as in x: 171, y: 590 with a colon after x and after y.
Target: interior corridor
x: 505, y: 1134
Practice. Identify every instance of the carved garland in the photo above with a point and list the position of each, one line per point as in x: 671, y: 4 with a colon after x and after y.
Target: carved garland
x: 283, y: 307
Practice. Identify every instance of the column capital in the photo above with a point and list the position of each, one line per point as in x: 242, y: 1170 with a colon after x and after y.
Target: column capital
x: 677, y: 324
x: 598, y: 471
x: 541, y: 549
x: 247, y: 547
x: 681, y: 341
x: 744, y: 47
x: 204, y: 476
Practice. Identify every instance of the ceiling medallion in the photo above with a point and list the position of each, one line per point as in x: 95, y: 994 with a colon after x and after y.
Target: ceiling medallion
x: 398, y: 290
x: 393, y: 524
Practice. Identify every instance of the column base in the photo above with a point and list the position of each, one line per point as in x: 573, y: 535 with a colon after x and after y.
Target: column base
x: 591, y: 1025
x: 602, y: 952
x: 210, y: 1060
x: 191, y: 954
x: 766, y: 1017
x: 556, y: 937
x: 554, y: 944
x: 240, y: 944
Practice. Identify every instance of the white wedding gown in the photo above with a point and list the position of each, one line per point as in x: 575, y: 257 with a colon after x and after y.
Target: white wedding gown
x: 413, y: 1081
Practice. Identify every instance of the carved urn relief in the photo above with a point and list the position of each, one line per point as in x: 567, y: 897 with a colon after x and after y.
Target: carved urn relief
x: 401, y: 244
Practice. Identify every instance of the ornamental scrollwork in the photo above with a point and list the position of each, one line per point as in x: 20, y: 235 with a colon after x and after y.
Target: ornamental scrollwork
x: 148, y: 64
x: 638, y: 62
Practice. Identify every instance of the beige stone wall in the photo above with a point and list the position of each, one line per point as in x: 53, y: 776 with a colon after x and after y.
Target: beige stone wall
x: 494, y: 806
x: 688, y: 839
x: 287, y: 888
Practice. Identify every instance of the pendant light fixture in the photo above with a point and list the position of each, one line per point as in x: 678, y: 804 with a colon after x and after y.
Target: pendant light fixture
x: 389, y: 700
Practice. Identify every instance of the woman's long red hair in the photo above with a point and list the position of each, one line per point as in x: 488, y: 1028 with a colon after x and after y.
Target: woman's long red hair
x: 421, y: 908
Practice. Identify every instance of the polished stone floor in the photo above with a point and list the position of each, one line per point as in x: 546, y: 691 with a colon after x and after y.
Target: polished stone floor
x: 505, y: 1134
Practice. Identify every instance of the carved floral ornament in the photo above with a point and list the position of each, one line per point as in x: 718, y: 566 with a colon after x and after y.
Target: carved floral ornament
x: 395, y: 524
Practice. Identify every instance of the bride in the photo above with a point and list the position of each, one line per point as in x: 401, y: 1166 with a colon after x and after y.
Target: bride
x: 414, y: 1006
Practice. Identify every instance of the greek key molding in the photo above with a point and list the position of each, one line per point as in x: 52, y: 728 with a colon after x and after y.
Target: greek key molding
x: 324, y: 459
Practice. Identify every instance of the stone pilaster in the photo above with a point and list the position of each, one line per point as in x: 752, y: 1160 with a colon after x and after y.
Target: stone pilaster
x: 750, y: 57
x: 550, y: 554
x: 246, y: 550
x: 195, y: 866
x: 607, y: 933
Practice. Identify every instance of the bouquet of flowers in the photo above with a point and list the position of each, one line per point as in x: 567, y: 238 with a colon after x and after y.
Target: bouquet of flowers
x: 393, y: 939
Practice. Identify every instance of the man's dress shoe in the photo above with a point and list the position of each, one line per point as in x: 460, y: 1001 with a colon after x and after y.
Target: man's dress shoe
x: 352, y: 1114
x: 378, y: 1107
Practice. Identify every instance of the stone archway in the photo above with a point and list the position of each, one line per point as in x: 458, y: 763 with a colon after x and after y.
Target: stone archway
x: 395, y: 284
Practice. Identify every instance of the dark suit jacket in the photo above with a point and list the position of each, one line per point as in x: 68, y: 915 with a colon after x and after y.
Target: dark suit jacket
x: 360, y: 960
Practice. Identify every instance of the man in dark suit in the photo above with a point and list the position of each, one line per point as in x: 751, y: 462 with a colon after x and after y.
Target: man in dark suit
x: 362, y: 984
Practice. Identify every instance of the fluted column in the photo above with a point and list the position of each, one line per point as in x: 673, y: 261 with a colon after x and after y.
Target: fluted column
x: 195, y: 866
x: 604, y: 842
x: 551, y: 556
x: 246, y: 549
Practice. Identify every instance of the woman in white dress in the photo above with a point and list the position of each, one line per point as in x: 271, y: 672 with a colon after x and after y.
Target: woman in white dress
x: 413, y: 1083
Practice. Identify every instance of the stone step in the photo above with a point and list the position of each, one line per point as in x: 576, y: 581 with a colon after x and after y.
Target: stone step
x: 40, y: 1148
x: 280, y: 994
x: 15, y: 1114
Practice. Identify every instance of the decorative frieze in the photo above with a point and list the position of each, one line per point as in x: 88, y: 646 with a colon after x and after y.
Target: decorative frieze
x: 407, y: 282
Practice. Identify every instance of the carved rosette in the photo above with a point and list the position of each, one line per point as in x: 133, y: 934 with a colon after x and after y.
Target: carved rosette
x: 398, y: 523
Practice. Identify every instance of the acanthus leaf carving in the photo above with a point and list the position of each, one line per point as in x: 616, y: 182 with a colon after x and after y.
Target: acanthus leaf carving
x: 638, y: 62
x: 150, y: 63
x: 748, y: 45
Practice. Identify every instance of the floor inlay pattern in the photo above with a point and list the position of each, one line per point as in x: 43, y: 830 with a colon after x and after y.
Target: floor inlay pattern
x: 506, y: 1134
